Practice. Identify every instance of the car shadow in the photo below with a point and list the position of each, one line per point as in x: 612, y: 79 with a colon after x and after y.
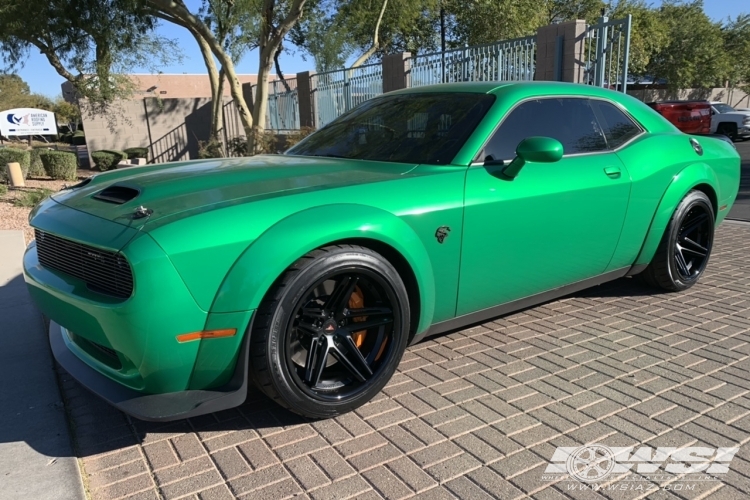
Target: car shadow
x: 99, y: 428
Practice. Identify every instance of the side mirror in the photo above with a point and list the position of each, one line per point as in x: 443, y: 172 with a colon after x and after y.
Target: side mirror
x: 534, y: 149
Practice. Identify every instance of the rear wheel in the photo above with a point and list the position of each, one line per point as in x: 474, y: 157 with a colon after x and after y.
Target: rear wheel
x: 331, y: 331
x: 685, y: 248
x: 728, y: 129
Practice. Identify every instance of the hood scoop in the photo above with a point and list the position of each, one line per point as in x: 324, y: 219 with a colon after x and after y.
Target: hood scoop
x: 117, y: 194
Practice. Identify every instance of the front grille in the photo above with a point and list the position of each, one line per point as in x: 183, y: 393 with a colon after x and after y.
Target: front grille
x: 102, y: 271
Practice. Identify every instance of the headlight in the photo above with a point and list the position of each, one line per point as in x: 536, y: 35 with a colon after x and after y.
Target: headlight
x: 746, y: 121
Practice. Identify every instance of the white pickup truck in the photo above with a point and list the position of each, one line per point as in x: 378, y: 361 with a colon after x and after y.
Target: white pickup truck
x: 728, y: 121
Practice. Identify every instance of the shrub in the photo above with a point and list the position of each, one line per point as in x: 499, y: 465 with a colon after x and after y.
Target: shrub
x: 21, y: 156
x: 237, y: 146
x: 297, y: 135
x: 210, y: 149
x: 78, y: 138
x: 108, y: 159
x: 265, y: 142
x: 67, y: 138
x: 136, y: 153
x: 60, y: 164
x: 31, y: 199
x: 36, y: 169
x: 3, y: 189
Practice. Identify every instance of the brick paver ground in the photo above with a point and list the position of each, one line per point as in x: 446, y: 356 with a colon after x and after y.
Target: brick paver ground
x: 478, y: 413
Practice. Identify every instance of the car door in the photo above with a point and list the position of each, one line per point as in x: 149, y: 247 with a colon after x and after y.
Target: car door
x: 555, y: 223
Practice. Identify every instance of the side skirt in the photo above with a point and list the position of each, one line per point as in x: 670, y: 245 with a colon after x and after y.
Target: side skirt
x: 509, y: 307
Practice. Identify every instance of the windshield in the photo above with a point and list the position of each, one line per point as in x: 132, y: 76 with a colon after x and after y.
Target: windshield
x: 409, y: 128
x: 723, y: 108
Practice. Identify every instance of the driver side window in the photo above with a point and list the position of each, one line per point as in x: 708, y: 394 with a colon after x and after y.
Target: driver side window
x: 569, y: 120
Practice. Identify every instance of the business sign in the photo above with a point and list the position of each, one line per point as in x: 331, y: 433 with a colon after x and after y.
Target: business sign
x: 27, y: 121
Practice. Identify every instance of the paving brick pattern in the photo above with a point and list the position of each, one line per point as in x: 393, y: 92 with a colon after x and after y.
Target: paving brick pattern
x: 478, y: 413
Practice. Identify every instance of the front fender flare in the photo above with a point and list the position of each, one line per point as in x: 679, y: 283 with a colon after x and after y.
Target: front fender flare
x: 688, y: 178
x: 277, y: 248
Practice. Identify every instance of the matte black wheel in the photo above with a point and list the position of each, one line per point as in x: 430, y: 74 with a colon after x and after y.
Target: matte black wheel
x: 330, y: 332
x: 728, y: 129
x: 685, y: 248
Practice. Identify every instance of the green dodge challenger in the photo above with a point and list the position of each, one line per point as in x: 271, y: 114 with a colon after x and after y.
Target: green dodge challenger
x: 172, y: 287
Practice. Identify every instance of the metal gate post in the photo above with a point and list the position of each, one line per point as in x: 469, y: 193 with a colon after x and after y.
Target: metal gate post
x: 601, y: 50
x: 626, y: 29
x: 347, y: 91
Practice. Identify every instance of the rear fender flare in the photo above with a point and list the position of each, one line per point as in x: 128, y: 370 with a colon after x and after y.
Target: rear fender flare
x: 267, y: 257
x: 687, y: 179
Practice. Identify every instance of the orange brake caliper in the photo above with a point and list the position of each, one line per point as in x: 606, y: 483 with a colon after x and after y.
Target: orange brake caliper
x: 357, y: 301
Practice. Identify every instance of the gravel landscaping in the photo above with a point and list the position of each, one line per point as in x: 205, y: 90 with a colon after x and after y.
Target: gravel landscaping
x: 15, y: 204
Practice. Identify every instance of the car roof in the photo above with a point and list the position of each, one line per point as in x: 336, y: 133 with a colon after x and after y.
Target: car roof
x: 517, y: 91
x: 520, y: 90
x: 540, y: 87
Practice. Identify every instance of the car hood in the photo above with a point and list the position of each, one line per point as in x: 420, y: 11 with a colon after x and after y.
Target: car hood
x: 736, y: 114
x: 173, y: 188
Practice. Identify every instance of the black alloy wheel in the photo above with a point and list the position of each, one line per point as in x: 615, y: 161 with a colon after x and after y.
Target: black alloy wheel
x: 333, y: 349
x: 685, y: 248
x: 693, y: 243
x: 330, y: 332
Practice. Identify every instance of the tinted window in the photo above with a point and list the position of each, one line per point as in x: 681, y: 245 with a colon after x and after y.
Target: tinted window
x: 724, y: 108
x: 618, y: 128
x: 570, y: 121
x: 409, y: 128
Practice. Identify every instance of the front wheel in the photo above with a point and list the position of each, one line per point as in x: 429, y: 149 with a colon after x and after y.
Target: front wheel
x: 684, y: 249
x: 331, y: 331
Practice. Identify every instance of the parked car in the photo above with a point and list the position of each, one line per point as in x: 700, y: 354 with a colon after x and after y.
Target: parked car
x: 730, y: 122
x: 691, y: 117
x: 172, y: 287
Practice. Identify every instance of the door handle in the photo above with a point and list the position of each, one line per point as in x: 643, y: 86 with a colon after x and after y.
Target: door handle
x: 613, y: 172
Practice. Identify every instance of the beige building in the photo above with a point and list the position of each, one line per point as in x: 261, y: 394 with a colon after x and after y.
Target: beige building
x: 169, y: 86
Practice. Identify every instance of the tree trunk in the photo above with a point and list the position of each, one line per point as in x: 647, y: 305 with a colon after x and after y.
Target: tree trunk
x: 217, y: 109
x: 260, y: 104
x: 270, y: 41
x: 375, y: 42
x: 49, y: 53
x: 215, y: 78
x: 176, y: 9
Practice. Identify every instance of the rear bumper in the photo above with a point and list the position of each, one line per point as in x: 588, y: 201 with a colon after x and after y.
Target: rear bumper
x: 153, y: 407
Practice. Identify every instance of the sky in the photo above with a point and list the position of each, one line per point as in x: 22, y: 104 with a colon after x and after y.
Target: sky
x: 42, y: 79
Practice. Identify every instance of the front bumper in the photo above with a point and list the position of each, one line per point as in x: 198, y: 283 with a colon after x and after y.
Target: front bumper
x: 152, y: 407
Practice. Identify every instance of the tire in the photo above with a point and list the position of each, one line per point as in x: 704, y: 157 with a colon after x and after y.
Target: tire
x: 684, y: 250
x: 310, y: 337
x: 728, y: 129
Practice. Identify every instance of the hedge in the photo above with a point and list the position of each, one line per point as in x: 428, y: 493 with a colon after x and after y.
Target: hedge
x: 136, y: 153
x: 78, y: 138
x: 60, y: 164
x: 107, y: 160
x: 36, y: 169
x: 21, y: 156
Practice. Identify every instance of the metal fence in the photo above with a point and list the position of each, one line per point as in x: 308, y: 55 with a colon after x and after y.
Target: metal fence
x: 283, y: 105
x: 606, y: 49
x: 333, y: 93
x: 604, y: 53
x: 500, y: 61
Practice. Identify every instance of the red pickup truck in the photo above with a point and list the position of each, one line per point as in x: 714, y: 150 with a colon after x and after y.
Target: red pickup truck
x: 692, y: 117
